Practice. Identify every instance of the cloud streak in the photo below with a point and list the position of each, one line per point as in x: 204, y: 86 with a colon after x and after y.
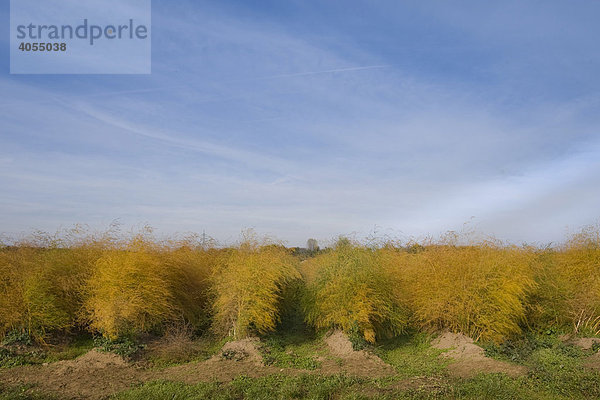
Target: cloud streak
x: 258, y: 119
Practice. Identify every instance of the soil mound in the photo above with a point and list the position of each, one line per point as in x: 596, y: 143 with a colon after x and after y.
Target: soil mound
x: 339, y: 344
x: 241, y: 350
x: 350, y: 361
x: 469, y: 359
x: 460, y: 346
x: 95, y: 375
x: 92, y: 360
x: 240, y: 357
x: 593, y: 362
x: 585, y: 343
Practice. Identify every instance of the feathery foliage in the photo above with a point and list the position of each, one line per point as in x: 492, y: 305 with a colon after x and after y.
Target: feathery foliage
x: 129, y: 292
x: 189, y: 269
x: 12, y: 296
x: 569, y: 285
x: 480, y: 290
x: 122, y: 286
x: 144, y: 285
x: 349, y: 288
x: 248, y: 286
x: 41, y: 284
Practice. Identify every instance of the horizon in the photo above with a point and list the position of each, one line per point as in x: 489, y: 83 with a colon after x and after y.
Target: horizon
x: 116, y: 234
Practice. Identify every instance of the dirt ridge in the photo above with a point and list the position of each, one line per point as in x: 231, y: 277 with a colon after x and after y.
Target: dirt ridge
x: 468, y: 359
x: 359, y: 363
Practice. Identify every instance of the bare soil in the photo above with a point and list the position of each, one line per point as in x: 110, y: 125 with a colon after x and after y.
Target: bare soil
x: 584, y: 343
x: 245, y: 349
x: 593, y: 362
x: 347, y: 360
x: 97, y: 375
x: 339, y: 344
x: 241, y: 357
x: 91, y: 376
x: 469, y: 359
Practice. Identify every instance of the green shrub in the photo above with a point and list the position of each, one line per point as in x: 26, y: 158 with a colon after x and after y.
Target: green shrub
x: 125, y: 347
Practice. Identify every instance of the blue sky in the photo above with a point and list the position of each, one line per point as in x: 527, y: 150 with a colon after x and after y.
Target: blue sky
x: 317, y: 118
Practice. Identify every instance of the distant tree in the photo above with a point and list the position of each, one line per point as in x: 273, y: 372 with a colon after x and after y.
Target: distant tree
x: 312, y: 245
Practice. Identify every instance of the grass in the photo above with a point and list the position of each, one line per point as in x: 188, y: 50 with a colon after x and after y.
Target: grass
x: 556, y: 368
x: 164, y: 352
x: 22, y: 393
x: 563, y: 374
x: 412, y: 355
x: 499, y: 387
x: 291, y: 349
x: 268, y: 388
x: 314, y: 387
x: 22, y: 352
x: 521, y: 349
x: 80, y: 345
x: 556, y: 371
x: 125, y: 347
x: 10, y: 358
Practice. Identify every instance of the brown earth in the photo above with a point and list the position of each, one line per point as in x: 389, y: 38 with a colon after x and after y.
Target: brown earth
x: 97, y: 375
x: 241, y: 357
x: 245, y: 349
x: 244, y: 357
x: 584, y: 343
x: 339, y: 344
x: 469, y: 359
x: 347, y: 360
x: 91, y: 376
x: 593, y: 362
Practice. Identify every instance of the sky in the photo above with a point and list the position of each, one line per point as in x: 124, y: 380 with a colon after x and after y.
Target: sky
x: 308, y: 119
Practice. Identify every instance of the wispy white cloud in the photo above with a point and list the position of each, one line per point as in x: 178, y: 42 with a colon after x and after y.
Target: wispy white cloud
x: 251, y: 124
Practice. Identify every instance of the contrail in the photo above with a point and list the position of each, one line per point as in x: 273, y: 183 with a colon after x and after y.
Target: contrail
x: 158, y: 89
x: 323, y: 72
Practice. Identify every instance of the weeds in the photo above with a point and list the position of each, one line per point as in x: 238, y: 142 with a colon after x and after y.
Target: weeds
x: 22, y: 393
x: 291, y: 350
x: 125, y: 347
x: 412, y: 355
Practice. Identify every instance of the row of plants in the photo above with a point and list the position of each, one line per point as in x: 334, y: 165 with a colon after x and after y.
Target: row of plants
x: 122, y: 288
